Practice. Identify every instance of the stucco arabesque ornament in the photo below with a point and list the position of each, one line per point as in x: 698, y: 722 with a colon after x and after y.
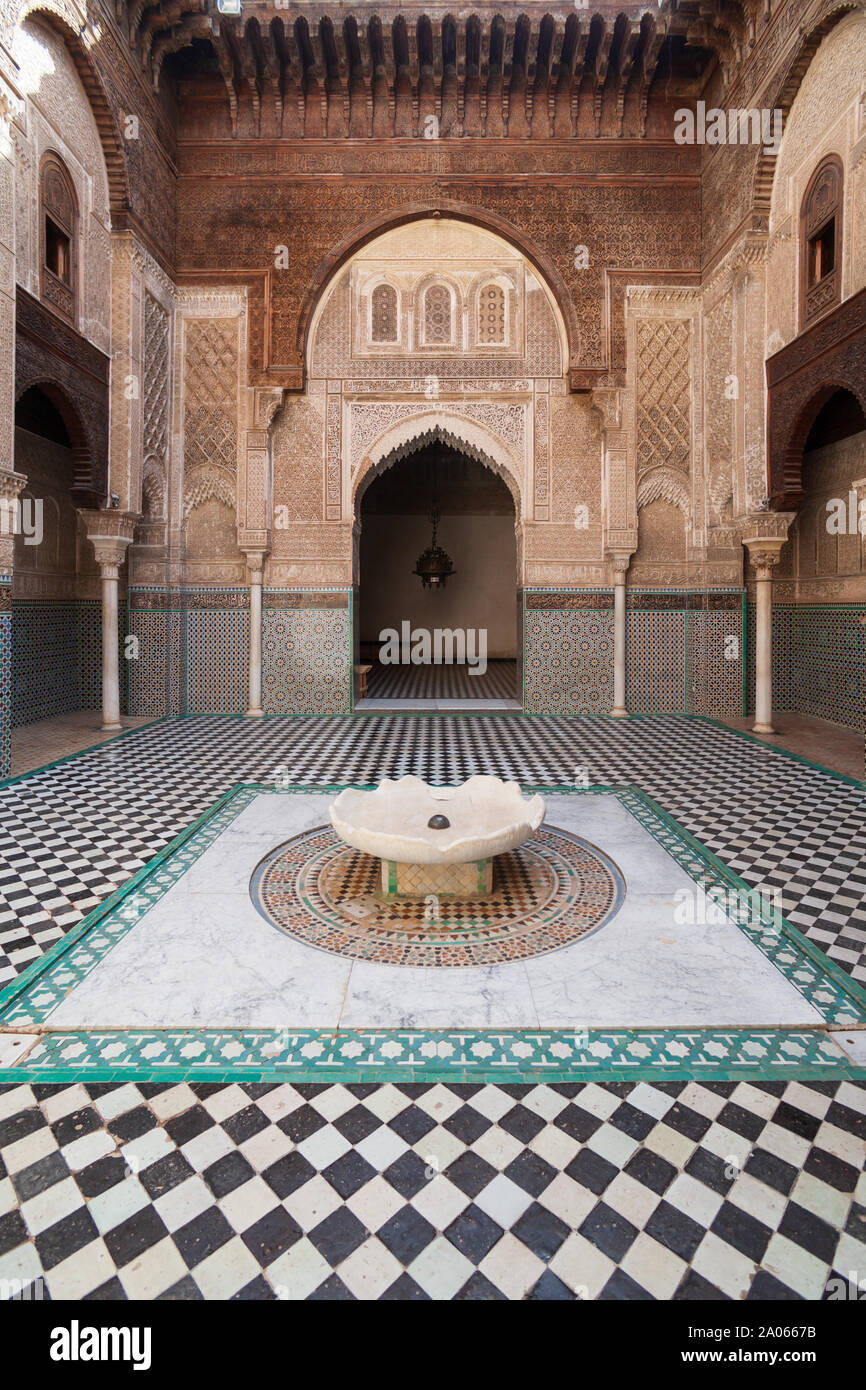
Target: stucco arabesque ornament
x: 11, y: 484
x: 764, y: 536
x: 620, y: 561
x: 109, y: 531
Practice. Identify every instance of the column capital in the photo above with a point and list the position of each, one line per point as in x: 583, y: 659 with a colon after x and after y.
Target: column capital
x: 109, y: 531
x: 620, y: 561
x: 764, y: 551
x: 763, y: 535
x: 765, y: 526
x: 11, y: 484
x: 255, y: 558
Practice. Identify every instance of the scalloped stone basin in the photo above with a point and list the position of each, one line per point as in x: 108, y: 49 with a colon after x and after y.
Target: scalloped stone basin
x: 400, y: 823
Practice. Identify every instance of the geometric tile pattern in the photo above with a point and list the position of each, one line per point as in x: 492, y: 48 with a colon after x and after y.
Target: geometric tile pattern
x: 681, y: 1189
x: 414, y: 1192
x: 656, y: 662
x: 497, y: 682
x: 360, y: 1054
x: 155, y: 675
x: 551, y: 891
x: 715, y: 662
x: 567, y: 661
x: 820, y: 662
x: 5, y: 678
x: 307, y: 661
x: 217, y: 661
x: 56, y: 659
x: 683, y: 653
x: 421, y: 1054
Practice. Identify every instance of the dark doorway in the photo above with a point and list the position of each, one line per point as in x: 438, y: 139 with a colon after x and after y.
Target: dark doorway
x: 450, y: 641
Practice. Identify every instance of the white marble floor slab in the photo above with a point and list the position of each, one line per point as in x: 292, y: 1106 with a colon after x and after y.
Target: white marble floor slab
x: 203, y: 956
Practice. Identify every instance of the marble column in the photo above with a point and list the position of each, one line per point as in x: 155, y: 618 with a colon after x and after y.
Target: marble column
x: 255, y: 562
x: 858, y: 487
x: 764, y: 555
x: 110, y: 532
x: 620, y: 567
x: 10, y: 486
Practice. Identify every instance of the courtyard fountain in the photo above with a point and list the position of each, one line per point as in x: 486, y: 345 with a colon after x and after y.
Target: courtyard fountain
x: 436, y: 840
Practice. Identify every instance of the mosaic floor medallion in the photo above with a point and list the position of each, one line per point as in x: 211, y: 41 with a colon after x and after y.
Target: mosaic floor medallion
x: 550, y: 892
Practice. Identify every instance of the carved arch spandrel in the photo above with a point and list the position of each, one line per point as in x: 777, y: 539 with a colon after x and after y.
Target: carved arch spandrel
x: 326, y: 273
x: 444, y: 426
x: 401, y: 441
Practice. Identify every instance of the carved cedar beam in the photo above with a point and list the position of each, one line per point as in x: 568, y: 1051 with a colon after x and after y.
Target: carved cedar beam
x: 653, y: 40
x: 193, y: 27
x: 625, y: 64
x: 383, y: 74
x: 602, y: 60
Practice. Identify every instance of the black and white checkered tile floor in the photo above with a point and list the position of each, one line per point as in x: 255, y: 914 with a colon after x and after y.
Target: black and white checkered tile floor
x: 664, y: 1191
x: 73, y: 833
x: 668, y: 1191
x: 497, y: 682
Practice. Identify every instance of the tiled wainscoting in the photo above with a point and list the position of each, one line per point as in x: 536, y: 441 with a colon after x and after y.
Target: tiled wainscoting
x: 819, y: 661
x: 684, y: 652
x: 5, y: 674
x: 307, y: 651
x: 56, y: 658
x: 193, y: 651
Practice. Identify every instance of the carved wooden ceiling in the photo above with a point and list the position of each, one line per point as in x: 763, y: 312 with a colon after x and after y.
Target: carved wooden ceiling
x: 373, y: 71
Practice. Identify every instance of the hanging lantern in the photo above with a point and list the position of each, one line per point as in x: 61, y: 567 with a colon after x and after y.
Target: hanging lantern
x: 433, y: 566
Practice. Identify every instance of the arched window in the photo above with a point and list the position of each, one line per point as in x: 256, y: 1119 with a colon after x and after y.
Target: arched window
x: 438, y: 327
x: 58, y: 213
x: 821, y: 241
x: 383, y: 315
x: 491, y: 314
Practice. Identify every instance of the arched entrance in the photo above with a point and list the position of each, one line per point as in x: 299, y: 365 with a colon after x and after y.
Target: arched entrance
x: 820, y: 665
x: 427, y: 639
x: 56, y: 616
x: 437, y: 331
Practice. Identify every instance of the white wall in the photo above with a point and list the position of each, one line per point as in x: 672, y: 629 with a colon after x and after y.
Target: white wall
x: 482, y: 593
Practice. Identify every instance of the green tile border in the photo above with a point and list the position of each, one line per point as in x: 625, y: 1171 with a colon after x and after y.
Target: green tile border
x: 491, y: 1054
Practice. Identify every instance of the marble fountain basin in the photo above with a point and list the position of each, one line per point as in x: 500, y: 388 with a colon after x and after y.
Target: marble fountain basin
x: 436, y: 839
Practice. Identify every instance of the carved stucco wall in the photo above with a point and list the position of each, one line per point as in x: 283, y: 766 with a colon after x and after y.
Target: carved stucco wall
x: 368, y: 402
x: 62, y: 566
x: 211, y: 368
x: 57, y: 117
x: 681, y: 467
x: 819, y: 564
x: 828, y: 116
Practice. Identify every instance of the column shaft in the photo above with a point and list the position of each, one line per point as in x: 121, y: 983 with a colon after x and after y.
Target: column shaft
x: 110, y: 662
x: 619, y: 710
x: 764, y: 653
x: 255, y: 653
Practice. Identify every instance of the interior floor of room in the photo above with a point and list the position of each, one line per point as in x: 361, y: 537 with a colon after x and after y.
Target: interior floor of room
x: 441, y: 687
x: 635, y: 1187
